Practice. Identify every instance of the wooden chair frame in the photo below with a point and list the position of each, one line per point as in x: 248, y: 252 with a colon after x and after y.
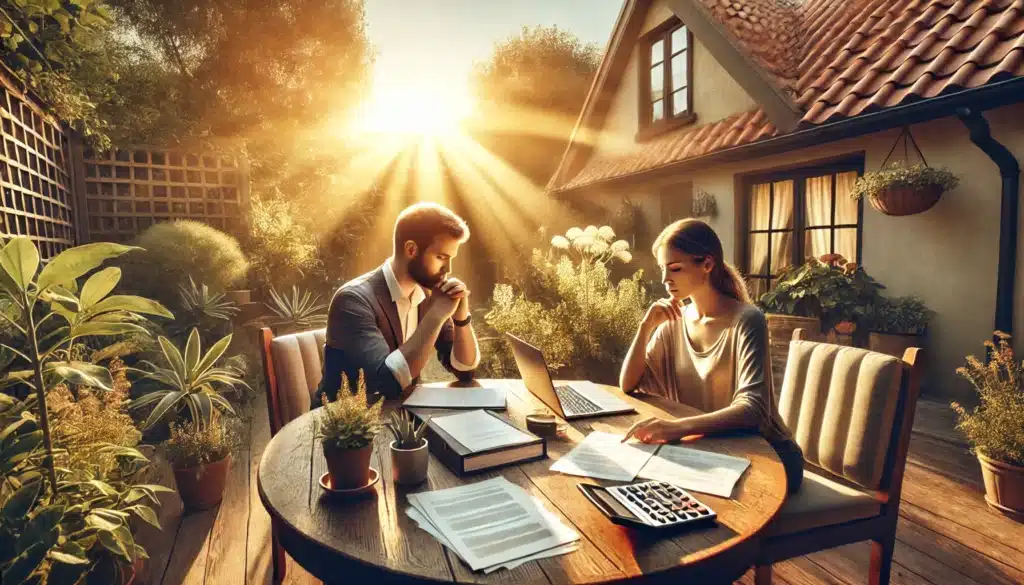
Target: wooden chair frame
x: 266, y: 336
x: 881, y: 529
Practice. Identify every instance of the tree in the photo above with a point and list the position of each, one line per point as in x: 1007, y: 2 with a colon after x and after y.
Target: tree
x: 531, y: 91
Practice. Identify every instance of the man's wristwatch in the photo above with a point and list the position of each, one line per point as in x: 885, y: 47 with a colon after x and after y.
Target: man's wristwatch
x: 464, y: 322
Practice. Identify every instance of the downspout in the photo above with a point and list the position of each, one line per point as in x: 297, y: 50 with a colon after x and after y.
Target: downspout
x: 1009, y: 170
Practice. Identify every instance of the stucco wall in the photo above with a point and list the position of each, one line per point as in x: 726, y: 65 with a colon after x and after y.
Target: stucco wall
x: 715, y: 94
x: 948, y: 255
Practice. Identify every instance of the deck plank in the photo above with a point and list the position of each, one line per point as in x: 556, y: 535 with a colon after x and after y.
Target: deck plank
x: 933, y: 551
x: 159, y: 543
x: 975, y: 545
x: 191, y: 550
x: 259, y: 563
x: 227, y: 548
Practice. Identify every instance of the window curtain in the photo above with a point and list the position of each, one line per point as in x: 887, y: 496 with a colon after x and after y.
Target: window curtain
x: 782, y: 219
x: 846, y: 213
x: 760, y: 210
x: 818, y: 209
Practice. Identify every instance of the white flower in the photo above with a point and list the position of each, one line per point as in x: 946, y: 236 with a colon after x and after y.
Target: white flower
x: 620, y: 246
x: 606, y: 232
x: 573, y: 233
x: 599, y: 247
x: 583, y: 242
x: 624, y: 256
x: 591, y: 230
x: 560, y: 243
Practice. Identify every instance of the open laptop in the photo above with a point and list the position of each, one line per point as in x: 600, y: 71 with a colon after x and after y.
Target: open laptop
x: 568, y: 401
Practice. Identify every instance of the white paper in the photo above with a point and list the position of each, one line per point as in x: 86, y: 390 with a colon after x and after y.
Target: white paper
x: 605, y: 456
x: 696, y: 470
x: 492, y: 522
x: 424, y: 523
x: 480, y: 431
x: 426, y: 396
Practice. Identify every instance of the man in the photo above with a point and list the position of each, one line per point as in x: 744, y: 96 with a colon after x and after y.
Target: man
x: 388, y: 321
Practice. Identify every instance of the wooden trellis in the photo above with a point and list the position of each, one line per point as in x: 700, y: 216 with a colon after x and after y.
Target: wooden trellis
x: 35, y: 173
x: 126, y: 190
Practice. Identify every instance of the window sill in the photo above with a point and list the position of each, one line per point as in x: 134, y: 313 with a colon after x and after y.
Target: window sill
x: 664, y: 126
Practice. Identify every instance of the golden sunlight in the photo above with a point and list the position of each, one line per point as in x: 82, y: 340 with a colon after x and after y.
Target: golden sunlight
x: 415, y: 108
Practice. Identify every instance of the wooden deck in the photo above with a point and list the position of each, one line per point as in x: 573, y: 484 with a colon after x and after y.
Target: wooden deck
x: 947, y: 535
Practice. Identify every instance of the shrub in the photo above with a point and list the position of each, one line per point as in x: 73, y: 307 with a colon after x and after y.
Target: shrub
x: 175, y: 251
x: 193, y: 444
x: 281, y: 249
x: 579, y: 318
x: 349, y: 422
x: 995, y: 427
x: 900, y: 315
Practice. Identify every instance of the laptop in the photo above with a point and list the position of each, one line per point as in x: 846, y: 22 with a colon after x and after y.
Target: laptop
x: 570, y: 401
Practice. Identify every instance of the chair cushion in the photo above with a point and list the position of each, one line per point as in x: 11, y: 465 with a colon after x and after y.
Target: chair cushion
x: 822, y: 502
x: 840, y: 404
x: 298, y: 366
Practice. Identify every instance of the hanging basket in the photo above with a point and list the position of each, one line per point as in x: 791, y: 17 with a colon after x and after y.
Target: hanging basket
x: 906, y: 200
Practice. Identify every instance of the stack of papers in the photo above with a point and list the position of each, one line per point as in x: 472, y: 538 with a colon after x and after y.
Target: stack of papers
x: 492, y: 524
x: 427, y: 396
x: 479, y: 431
x: 604, y: 456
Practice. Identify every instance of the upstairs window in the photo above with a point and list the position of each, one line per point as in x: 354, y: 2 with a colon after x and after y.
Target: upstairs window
x: 665, y: 93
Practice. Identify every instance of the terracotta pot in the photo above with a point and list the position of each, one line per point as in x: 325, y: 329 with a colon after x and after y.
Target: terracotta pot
x: 349, y: 468
x: 892, y: 343
x: 409, y: 466
x: 1004, y: 487
x: 238, y: 297
x: 202, y: 487
x: 906, y: 201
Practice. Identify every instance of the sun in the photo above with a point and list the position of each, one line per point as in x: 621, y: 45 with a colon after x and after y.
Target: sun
x: 415, y: 109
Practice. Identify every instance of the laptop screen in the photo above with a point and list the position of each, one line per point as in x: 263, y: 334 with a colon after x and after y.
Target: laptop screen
x: 534, y: 371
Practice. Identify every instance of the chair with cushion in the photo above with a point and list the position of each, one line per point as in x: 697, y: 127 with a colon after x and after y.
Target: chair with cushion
x: 851, y: 411
x: 292, y: 366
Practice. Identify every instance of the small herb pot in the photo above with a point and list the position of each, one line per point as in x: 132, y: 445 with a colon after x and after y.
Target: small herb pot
x: 409, y: 466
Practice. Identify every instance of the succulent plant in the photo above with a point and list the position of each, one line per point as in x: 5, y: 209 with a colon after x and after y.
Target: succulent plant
x: 347, y: 422
x: 403, y: 426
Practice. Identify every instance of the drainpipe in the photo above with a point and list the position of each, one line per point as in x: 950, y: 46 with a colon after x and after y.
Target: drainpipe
x: 1009, y: 170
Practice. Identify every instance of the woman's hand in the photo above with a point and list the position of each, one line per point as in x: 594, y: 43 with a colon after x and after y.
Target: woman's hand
x: 662, y: 310
x: 656, y: 430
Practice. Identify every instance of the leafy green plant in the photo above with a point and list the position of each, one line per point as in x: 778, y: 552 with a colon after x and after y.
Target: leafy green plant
x: 192, y: 444
x: 174, y: 252
x: 829, y: 288
x: 407, y: 433
x: 79, y: 531
x: 569, y: 306
x: 900, y: 316
x: 349, y: 422
x: 899, y: 175
x: 92, y: 312
x: 188, y: 382
x: 200, y: 308
x: 995, y: 427
x: 298, y: 312
x: 281, y: 248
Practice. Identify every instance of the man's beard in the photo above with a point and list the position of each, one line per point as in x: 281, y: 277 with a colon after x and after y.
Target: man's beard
x: 418, y: 272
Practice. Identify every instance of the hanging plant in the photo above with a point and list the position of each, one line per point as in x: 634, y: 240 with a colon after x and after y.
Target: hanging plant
x: 704, y: 204
x: 903, y: 189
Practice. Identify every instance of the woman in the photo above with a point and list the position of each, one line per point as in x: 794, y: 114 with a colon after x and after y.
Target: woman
x: 711, y: 353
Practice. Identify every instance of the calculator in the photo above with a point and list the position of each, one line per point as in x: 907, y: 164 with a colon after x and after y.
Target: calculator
x: 648, y: 504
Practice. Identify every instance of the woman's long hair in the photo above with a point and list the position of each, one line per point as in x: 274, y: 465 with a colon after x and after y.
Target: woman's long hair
x: 696, y: 238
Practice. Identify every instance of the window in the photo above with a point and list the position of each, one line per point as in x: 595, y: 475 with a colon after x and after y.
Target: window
x: 793, y: 215
x: 665, y: 96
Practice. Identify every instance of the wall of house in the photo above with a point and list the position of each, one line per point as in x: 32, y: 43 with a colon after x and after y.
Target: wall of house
x: 715, y: 94
x: 948, y: 255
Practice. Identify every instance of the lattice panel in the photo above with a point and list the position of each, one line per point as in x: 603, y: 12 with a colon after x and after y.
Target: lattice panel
x: 34, y: 173
x: 129, y: 189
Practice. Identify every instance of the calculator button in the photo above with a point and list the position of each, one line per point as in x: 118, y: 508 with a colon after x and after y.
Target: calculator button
x: 692, y: 514
x: 631, y: 498
x: 702, y: 511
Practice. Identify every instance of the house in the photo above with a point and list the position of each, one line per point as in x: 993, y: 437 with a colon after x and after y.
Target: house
x: 775, y: 107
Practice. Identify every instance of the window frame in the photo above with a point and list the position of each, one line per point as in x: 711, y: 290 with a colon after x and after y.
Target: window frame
x: 798, y: 175
x: 648, y: 127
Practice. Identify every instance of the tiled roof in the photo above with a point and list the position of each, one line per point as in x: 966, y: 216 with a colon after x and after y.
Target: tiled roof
x: 843, y: 58
x: 672, y: 147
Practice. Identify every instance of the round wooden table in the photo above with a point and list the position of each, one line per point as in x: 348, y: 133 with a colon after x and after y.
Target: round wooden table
x: 372, y: 540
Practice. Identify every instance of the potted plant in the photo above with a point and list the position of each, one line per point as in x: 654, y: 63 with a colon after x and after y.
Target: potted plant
x: 995, y: 428
x: 899, y: 189
x: 409, y: 455
x: 200, y: 455
x: 348, y: 426
x: 897, y: 323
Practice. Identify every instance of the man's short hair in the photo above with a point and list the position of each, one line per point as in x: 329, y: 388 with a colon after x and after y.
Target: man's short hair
x: 421, y: 222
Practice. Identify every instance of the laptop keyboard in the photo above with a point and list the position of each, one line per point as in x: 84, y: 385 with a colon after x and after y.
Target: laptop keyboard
x: 573, y: 402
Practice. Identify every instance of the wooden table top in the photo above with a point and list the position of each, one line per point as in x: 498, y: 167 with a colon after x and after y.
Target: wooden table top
x: 331, y: 538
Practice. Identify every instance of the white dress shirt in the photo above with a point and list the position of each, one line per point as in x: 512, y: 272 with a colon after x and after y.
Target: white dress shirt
x: 408, y: 316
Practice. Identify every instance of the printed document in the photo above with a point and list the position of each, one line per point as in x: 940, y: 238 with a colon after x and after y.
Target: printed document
x: 605, y: 456
x: 696, y: 470
x: 427, y: 396
x: 480, y: 431
x: 492, y: 522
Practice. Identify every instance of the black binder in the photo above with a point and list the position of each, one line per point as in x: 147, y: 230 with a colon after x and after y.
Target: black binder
x: 462, y: 460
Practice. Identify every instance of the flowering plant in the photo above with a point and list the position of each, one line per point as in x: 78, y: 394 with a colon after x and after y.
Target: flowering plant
x: 995, y: 427
x: 899, y: 175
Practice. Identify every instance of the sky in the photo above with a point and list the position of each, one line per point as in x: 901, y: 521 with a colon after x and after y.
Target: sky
x: 434, y: 43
